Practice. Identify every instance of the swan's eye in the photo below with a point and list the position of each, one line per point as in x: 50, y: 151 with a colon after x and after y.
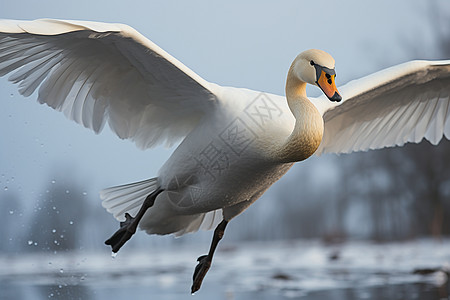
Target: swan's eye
x: 312, y: 63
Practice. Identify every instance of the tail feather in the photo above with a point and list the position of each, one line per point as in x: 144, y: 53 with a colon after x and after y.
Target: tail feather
x: 127, y: 198
x: 118, y: 200
x: 161, y: 218
x: 204, y: 221
x: 211, y: 219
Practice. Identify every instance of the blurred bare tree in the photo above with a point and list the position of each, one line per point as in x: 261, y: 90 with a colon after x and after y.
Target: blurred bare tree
x: 407, y: 188
x: 11, y: 212
x: 55, y: 225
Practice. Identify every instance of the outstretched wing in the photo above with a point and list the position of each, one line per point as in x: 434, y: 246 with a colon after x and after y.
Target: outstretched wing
x: 97, y: 73
x: 401, y: 104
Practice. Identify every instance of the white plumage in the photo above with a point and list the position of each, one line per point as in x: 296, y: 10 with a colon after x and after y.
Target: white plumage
x: 235, y: 142
x: 401, y: 104
x: 99, y: 72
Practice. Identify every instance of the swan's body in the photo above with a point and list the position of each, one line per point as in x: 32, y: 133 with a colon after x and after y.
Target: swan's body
x: 235, y: 142
x: 224, y: 164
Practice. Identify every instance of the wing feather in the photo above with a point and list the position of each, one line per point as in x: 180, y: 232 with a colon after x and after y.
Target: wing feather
x: 96, y: 73
x: 447, y: 121
x: 402, y: 104
x: 30, y: 80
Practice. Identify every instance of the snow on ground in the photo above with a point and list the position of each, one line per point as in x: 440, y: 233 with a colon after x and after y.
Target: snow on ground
x: 292, y: 269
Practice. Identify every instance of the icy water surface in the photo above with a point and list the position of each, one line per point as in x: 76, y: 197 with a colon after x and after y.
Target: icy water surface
x: 295, y: 270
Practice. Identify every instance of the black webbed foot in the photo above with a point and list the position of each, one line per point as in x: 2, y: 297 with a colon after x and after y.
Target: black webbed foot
x: 204, y: 263
x: 121, y: 236
x: 129, y: 226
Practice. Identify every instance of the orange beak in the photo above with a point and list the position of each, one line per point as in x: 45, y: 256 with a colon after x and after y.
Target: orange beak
x: 328, y: 86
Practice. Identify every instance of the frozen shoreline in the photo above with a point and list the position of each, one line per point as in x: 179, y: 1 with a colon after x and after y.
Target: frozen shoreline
x: 294, y: 267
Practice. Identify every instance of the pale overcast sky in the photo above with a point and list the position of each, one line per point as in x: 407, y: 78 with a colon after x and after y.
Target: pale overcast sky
x: 247, y: 44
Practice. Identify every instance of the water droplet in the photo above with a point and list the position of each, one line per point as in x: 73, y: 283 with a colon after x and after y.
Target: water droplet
x: 84, y: 193
x: 54, y: 207
x: 113, y: 254
x: 61, y: 270
x: 54, y: 230
x: 6, y: 188
x: 30, y: 243
x: 71, y: 222
x: 35, y: 243
x: 60, y: 286
x: 49, y: 262
x: 53, y: 181
x: 11, y: 212
x: 67, y: 191
x: 61, y: 236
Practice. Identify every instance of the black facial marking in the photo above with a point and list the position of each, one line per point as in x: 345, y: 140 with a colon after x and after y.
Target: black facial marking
x: 319, y: 69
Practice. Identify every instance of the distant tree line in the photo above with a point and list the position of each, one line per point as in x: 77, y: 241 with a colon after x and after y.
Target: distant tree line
x: 63, y: 217
x: 388, y: 194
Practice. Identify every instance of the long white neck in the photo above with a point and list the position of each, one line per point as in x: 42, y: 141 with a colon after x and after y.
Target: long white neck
x: 308, y: 130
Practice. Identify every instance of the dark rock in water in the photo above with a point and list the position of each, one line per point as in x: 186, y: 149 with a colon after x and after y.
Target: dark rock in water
x: 282, y: 276
x: 426, y: 271
x: 335, y: 255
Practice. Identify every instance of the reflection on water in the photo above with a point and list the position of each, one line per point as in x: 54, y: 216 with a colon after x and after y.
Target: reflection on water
x: 19, y: 292
x: 400, y: 292
x: 300, y: 270
x: 419, y: 291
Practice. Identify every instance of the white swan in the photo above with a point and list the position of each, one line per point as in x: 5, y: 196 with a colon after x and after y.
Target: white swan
x: 235, y: 142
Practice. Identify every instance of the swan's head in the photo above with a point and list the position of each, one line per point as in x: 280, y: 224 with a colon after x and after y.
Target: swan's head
x: 316, y: 67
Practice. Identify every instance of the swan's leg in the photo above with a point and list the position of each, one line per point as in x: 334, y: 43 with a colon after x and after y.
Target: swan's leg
x: 204, y: 262
x: 129, y: 226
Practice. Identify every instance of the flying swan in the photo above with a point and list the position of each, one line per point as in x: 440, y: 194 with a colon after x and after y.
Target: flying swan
x: 235, y: 142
